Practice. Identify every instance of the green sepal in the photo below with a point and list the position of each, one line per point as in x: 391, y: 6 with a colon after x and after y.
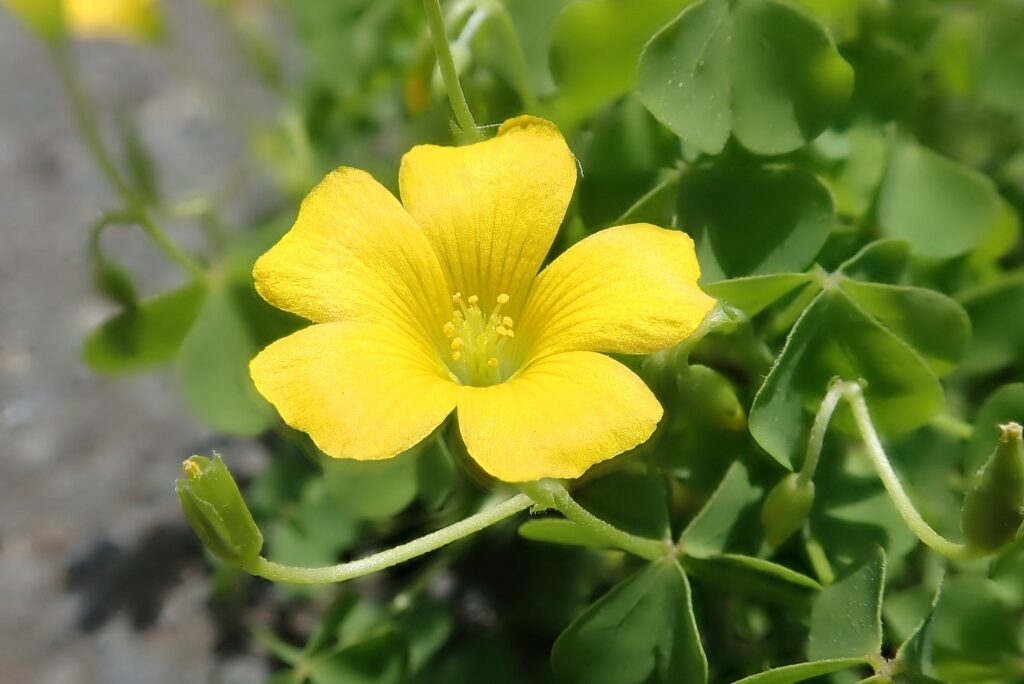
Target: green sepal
x: 216, y: 511
x: 786, y: 508
x: 993, y: 511
x: 712, y: 397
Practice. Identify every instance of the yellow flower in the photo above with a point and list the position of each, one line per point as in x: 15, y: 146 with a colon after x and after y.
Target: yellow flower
x: 117, y: 19
x: 437, y: 306
x: 133, y: 20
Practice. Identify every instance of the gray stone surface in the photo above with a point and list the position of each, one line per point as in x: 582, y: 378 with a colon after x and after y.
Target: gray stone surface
x: 84, y: 458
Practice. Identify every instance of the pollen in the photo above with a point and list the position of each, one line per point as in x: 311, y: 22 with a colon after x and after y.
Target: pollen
x: 477, y: 340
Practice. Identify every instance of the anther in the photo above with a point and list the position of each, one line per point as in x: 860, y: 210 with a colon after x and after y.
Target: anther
x: 473, y: 299
x: 449, y: 329
x: 503, y: 298
x: 457, y: 297
x: 506, y: 321
x: 492, y: 362
x: 456, y: 355
x: 458, y: 343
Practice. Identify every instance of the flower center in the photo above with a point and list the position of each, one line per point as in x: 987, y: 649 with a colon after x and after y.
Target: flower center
x: 476, y: 340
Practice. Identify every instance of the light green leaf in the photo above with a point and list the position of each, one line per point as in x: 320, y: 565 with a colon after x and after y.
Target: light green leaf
x: 790, y: 674
x: 708, y: 533
x: 632, y: 501
x: 835, y: 337
x: 213, y: 366
x: 881, y: 261
x: 754, y: 294
x: 995, y: 344
x: 915, y: 654
x: 560, y: 531
x: 146, y: 336
x: 943, y: 209
x: 759, y: 234
x: 595, y: 46
x: 763, y: 71
x: 846, y: 621
x: 933, y: 324
x: 642, y: 631
x: 373, y: 490
x: 534, y: 21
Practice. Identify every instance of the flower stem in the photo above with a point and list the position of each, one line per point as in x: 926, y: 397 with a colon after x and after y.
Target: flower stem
x: 85, y: 120
x: 554, y: 494
x: 855, y: 397
x: 385, y: 559
x: 445, y: 62
x: 819, y: 428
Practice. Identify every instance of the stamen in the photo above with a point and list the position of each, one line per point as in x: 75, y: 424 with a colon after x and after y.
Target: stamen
x: 449, y: 329
x: 503, y: 298
x: 492, y: 362
x: 476, y: 340
x: 506, y: 321
x: 473, y: 299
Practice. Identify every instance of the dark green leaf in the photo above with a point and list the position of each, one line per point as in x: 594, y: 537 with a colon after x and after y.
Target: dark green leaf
x: 847, y: 618
x: 763, y: 71
x: 145, y: 336
x: 881, y: 261
x: 642, y: 631
x: 835, y: 337
x: 560, y: 531
x: 632, y: 501
x: 742, y: 229
x: 708, y: 534
x: 1004, y: 405
x: 373, y: 490
x: 790, y: 674
x: 755, y: 293
x: 995, y: 344
x: 915, y: 654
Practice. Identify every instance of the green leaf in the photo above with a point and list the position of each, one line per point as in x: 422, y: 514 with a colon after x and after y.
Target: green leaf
x: 213, y: 366
x: 534, y: 21
x: 374, y: 490
x: 995, y: 344
x: 943, y: 209
x: 641, y: 631
x: 377, y: 660
x: 933, y: 324
x: 762, y: 71
x: 801, y: 672
x: 846, y: 621
x: 835, y: 337
x: 755, y: 293
x: 708, y: 534
x: 146, y: 336
x: 560, y: 531
x: 881, y: 261
x: 749, y: 573
x: 1004, y: 405
x: 915, y: 654
x: 757, y: 234
x: 856, y: 183
x: 116, y: 284
x: 595, y: 46
x: 657, y: 206
x: 632, y: 501
x: 313, y: 532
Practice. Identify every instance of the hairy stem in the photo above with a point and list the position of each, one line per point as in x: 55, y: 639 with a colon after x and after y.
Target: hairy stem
x: 386, y: 559
x: 443, y: 51
x: 554, y: 494
x: 819, y: 428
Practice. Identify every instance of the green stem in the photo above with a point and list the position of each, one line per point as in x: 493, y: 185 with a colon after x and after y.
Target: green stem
x: 443, y: 51
x: 819, y: 428
x: 855, y: 397
x: 953, y: 426
x: 84, y: 118
x: 385, y: 559
x: 554, y: 494
x: 819, y: 561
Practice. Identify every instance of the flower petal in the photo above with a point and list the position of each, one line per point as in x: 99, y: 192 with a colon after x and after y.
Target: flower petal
x: 630, y: 290
x: 361, y: 390
x: 563, y: 414
x: 492, y: 209
x: 355, y: 254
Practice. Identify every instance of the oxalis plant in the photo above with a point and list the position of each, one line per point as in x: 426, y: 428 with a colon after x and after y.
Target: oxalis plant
x: 695, y: 363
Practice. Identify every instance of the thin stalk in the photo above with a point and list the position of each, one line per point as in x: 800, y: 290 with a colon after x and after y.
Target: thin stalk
x: 554, y: 494
x: 386, y: 559
x: 953, y: 426
x: 445, y: 62
x: 168, y: 247
x: 854, y: 395
x: 818, y: 430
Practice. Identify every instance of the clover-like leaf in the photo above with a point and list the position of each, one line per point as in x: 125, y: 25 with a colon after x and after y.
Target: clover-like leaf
x: 641, y: 631
x: 741, y: 227
x: 800, y: 672
x: 943, y: 209
x: 995, y: 344
x: 763, y: 71
x: 847, y: 618
x: 709, y: 533
x: 836, y: 337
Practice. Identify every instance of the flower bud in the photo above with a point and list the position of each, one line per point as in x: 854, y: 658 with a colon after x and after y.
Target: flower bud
x: 711, y: 396
x: 216, y: 511
x: 994, y: 507
x: 786, y: 508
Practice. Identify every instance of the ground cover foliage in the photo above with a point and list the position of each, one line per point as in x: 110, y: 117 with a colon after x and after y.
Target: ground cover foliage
x: 852, y: 172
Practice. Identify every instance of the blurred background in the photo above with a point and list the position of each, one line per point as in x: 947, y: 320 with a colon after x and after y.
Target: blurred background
x: 100, y: 581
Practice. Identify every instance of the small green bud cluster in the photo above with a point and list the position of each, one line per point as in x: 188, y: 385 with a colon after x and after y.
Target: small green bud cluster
x: 786, y: 508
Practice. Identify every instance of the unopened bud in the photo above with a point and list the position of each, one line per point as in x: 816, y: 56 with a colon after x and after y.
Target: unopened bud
x: 786, y: 508
x: 216, y: 511
x: 709, y: 395
x: 994, y: 507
